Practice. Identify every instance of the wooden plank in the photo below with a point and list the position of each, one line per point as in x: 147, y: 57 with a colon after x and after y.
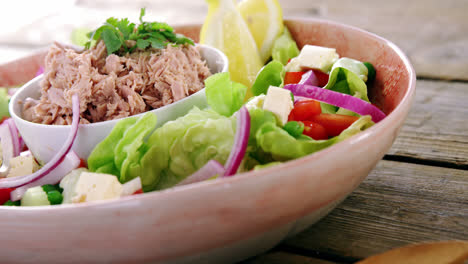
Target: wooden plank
x: 437, y: 126
x: 399, y: 203
x: 432, y: 33
x: 280, y: 257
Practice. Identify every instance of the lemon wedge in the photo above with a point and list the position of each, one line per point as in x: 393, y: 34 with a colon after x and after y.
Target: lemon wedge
x: 225, y: 29
x: 265, y: 21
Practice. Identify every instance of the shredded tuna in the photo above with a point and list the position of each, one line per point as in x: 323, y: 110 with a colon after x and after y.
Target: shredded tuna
x: 112, y: 87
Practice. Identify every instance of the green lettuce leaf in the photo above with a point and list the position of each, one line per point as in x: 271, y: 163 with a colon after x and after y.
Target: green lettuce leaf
x: 120, y: 152
x: 181, y: 147
x: 4, y: 98
x: 282, y: 146
x: 284, y: 48
x: 270, y: 75
x: 343, y: 79
x: 223, y: 95
x: 101, y: 158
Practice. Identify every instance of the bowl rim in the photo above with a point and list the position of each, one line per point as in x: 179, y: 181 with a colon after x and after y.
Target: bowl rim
x: 17, y: 117
x: 399, y: 112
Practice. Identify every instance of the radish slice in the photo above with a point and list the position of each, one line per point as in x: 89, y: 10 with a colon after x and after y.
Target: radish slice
x: 8, y: 149
x: 345, y: 101
x: 23, y: 180
x: 210, y: 169
x: 240, y: 142
x: 309, y: 78
x: 131, y: 187
x: 14, y: 136
x: 69, y: 163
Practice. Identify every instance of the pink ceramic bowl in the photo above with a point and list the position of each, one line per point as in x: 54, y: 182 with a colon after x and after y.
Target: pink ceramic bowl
x: 224, y: 220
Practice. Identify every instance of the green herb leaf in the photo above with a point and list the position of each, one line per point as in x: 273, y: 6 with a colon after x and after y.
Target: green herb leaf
x: 142, y: 43
x: 155, y: 35
x: 142, y: 14
x: 112, y: 41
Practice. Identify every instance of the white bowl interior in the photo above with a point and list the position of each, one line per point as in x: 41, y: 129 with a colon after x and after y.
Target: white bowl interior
x: 45, y: 140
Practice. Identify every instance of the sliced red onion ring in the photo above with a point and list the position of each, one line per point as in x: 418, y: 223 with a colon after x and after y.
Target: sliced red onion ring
x: 345, y: 101
x: 131, y: 187
x: 8, y: 149
x: 209, y: 170
x: 55, y: 161
x: 14, y: 136
x: 69, y: 163
x: 240, y: 142
x: 309, y: 78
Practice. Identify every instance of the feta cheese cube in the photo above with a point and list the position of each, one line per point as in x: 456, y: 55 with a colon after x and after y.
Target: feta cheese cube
x: 20, y: 166
x: 313, y: 57
x: 88, y: 186
x: 279, y: 102
x: 96, y: 187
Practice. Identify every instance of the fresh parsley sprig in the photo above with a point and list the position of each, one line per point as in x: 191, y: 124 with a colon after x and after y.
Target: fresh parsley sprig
x: 116, y: 32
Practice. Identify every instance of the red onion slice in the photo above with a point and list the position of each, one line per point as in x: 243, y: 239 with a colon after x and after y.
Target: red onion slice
x: 69, y: 163
x: 55, y: 161
x: 240, y: 142
x: 345, y: 101
x: 131, y: 187
x: 309, y: 78
x: 8, y: 149
x: 14, y: 136
x: 210, y: 169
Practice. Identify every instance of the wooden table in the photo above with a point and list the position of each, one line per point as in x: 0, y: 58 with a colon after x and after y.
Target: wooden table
x: 419, y: 191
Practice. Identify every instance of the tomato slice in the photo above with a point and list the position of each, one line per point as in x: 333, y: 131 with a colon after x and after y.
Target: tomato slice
x: 304, y: 109
x: 138, y: 192
x: 322, y: 78
x: 314, y: 130
x: 83, y: 164
x: 5, y: 195
x: 292, y: 77
x: 334, y: 123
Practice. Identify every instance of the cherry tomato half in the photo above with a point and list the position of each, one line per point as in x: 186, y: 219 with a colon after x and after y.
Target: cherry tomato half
x: 334, y: 123
x: 292, y: 77
x: 314, y: 130
x: 322, y: 77
x: 304, y: 110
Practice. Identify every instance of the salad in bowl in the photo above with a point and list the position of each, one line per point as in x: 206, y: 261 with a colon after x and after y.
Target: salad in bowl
x: 299, y: 106
x: 280, y: 140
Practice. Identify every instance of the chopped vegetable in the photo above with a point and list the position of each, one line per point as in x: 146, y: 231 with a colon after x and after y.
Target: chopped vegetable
x: 315, y: 130
x: 35, y: 196
x: 55, y: 161
x: 131, y: 187
x: 269, y: 75
x: 334, y: 124
x: 69, y: 163
x: 337, y: 99
x: 304, y: 110
x: 294, y: 128
x: 284, y: 48
x: 371, y: 70
x: 293, y: 77
x: 4, y: 99
x: 240, y: 142
x: 223, y: 95
x: 322, y: 78
x: 5, y: 195
x: 116, y: 34
x: 309, y: 78
x: 211, y: 169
